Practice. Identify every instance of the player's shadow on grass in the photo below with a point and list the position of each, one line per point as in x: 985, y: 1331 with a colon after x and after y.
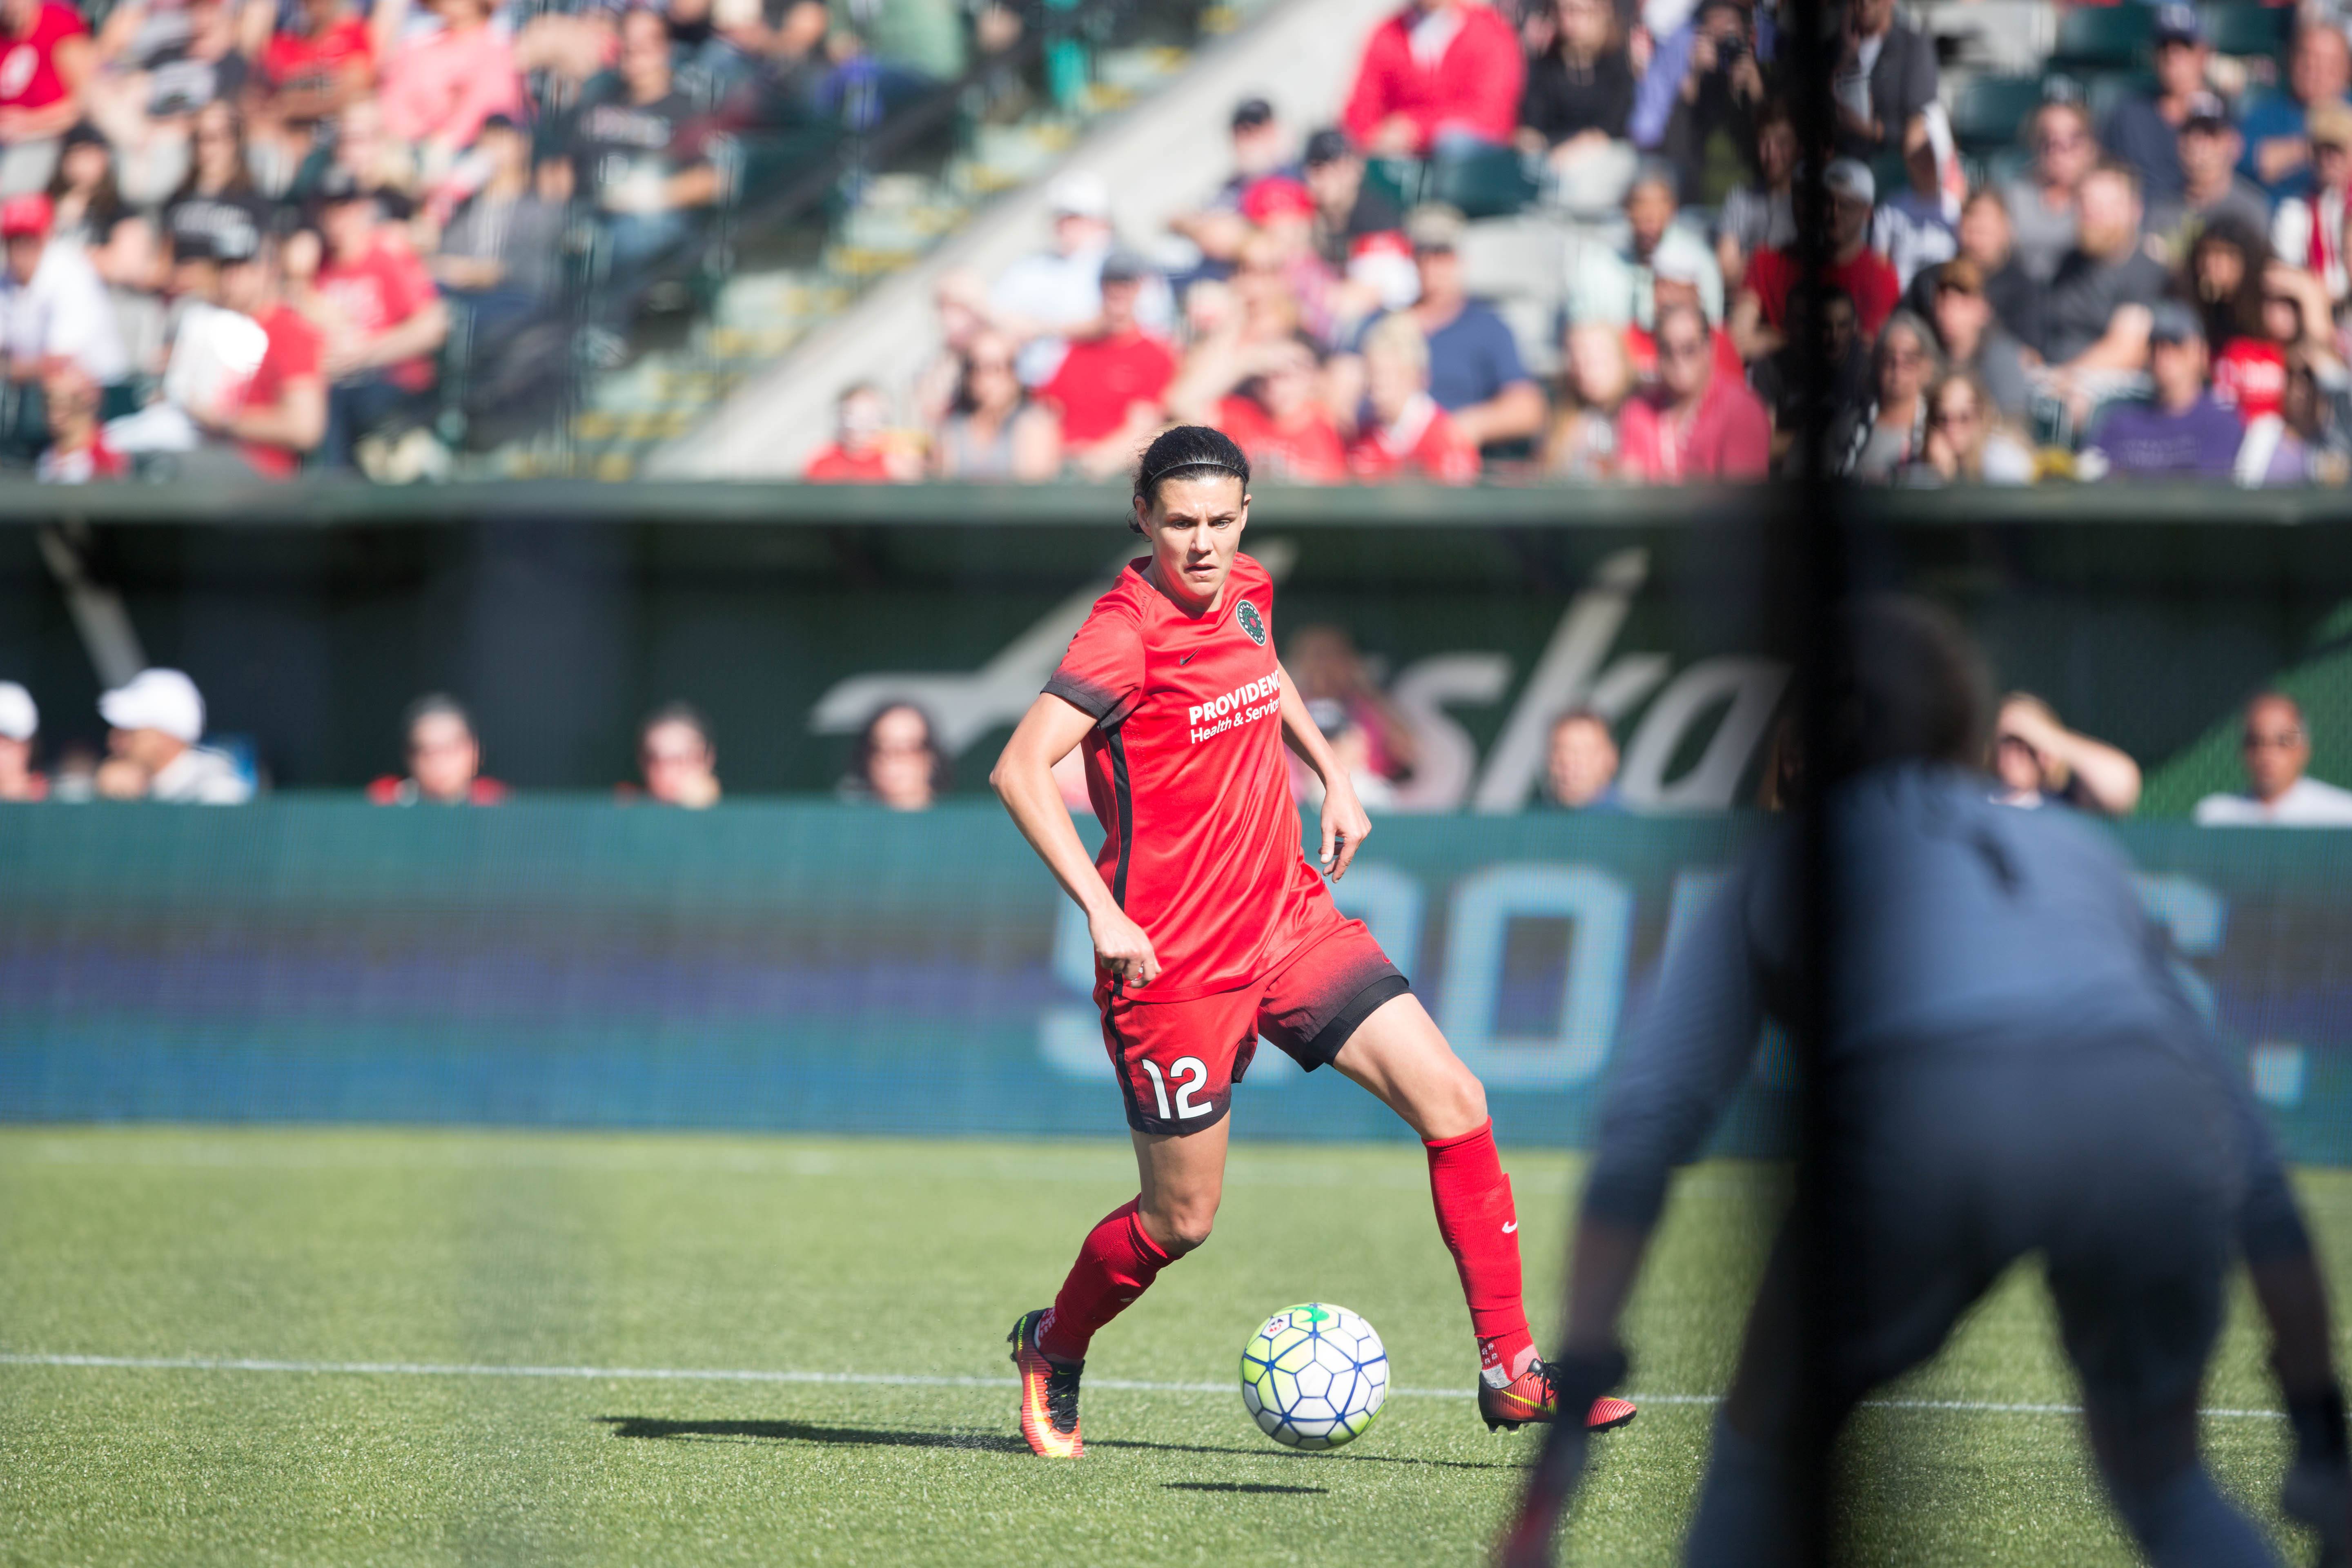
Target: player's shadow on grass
x: 655, y: 1427
x: 808, y: 1432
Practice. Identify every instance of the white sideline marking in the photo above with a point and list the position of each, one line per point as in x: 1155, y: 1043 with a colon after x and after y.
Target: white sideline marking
x: 901, y: 1380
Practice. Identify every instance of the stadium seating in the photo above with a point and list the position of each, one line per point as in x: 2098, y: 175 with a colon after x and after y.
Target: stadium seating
x: 1989, y: 110
x: 2092, y: 37
x: 2248, y: 29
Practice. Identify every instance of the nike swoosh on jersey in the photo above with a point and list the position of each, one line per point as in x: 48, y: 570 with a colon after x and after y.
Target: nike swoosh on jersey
x: 1510, y: 1227
x: 1186, y: 659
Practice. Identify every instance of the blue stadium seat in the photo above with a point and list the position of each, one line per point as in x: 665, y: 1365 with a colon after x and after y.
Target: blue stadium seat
x: 1992, y: 110
x: 2090, y: 36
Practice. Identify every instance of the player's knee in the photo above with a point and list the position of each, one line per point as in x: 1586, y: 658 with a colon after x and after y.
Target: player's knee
x: 1456, y: 1104
x: 1470, y: 1097
x: 1182, y: 1226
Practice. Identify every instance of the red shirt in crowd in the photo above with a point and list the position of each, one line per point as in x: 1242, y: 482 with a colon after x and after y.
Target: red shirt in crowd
x: 444, y: 85
x: 1422, y: 445
x: 1184, y: 770
x: 29, y: 77
x: 1099, y: 379
x: 831, y: 464
x: 1876, y: 289
x: 393, y: 789
x: 1471, y: 85
x: 293, y: 352
x: 1641, y: 352
x: 308, y: 61
x: 85, y: 464
x: 1308, y: 452
x: 378, y: 293
x: 1728, y: 436
x: 2250, y: 375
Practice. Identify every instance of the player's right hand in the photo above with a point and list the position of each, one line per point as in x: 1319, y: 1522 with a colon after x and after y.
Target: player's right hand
x: 1123, y: 949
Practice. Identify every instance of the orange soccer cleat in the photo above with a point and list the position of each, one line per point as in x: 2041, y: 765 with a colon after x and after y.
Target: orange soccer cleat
x: 1534, y: 1396
x: 1049, y: 1394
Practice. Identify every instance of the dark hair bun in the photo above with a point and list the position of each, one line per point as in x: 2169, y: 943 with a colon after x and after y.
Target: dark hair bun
x: 1190, y: 452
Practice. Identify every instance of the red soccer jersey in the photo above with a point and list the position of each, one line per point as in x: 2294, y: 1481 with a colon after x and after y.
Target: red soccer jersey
x: 1099, y: 379
x: 1422, y: 445
x: 1200, y: 842
x: 1874, y: 285
x: 297, y: 60
x: 829, y: 465
x: 1308, y: 454
x: 291, y: 355
x: 379, y: 291
x: 29, y: 77
x: 2250, y: 375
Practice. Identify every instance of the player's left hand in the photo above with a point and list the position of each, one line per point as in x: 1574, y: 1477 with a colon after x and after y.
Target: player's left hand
x: 1345, y: 826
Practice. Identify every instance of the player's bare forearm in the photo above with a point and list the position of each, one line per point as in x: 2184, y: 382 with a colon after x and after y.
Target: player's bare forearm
x: 1344, y: 825
x: 1302, y: 733
x: 1023, y: 780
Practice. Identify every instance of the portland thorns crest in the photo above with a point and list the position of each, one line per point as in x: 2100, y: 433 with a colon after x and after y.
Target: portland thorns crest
x: 1248, y: 616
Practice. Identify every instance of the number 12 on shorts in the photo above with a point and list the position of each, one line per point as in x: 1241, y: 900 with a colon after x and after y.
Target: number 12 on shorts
x: 1186, y: 1104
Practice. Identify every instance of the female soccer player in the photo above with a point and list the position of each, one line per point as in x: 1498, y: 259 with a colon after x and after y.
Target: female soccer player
x: 1209, y: 929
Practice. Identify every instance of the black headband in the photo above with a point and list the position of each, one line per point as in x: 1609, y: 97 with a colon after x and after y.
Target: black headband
x: 1149, y: 482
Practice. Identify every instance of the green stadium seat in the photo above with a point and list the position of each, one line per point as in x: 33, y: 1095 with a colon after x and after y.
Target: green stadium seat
x: 1888, y: 172
x: 1490, y: 182
x: 2247, y: 30
x: 1399, y: 179
x: 2093, y: 35
x: 2005, y: 164
x: 1992, y: 110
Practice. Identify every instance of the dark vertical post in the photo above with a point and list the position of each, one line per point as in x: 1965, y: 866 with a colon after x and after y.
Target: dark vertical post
x: 1805, y: 580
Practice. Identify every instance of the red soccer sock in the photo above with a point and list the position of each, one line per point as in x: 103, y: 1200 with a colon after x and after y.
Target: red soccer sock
x: 1118, y: 1263
x: 1481, y: 1227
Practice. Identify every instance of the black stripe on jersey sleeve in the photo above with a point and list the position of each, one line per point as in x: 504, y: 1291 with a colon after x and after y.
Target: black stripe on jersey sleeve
x: 1106, y: 709
x: 1124, y: 793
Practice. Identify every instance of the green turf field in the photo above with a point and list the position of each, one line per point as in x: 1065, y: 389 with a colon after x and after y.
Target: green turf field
x: 433, y: 1256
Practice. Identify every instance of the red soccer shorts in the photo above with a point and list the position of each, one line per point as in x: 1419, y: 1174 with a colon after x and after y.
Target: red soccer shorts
x: 1177, y: 1062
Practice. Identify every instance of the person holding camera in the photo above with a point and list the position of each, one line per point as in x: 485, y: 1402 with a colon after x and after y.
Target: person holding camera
x: 1722, y: 94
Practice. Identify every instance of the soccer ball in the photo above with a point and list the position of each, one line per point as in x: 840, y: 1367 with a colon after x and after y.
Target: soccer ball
x: 1314, y: 1376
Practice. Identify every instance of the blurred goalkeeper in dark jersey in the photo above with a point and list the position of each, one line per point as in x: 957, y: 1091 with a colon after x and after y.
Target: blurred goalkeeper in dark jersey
x: 2009, y: 1065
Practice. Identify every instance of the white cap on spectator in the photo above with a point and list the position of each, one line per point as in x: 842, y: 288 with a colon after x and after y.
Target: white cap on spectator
x: 1675, y: 266
x: 1850, y: 178
x: 19, y: 719
x: 164, y: 700
x: 1079, y: 195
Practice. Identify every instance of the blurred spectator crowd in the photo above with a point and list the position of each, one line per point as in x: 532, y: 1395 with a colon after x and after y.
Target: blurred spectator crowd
x: 157, y: 749
x: 2131, y: 262
x: 258, y: 236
